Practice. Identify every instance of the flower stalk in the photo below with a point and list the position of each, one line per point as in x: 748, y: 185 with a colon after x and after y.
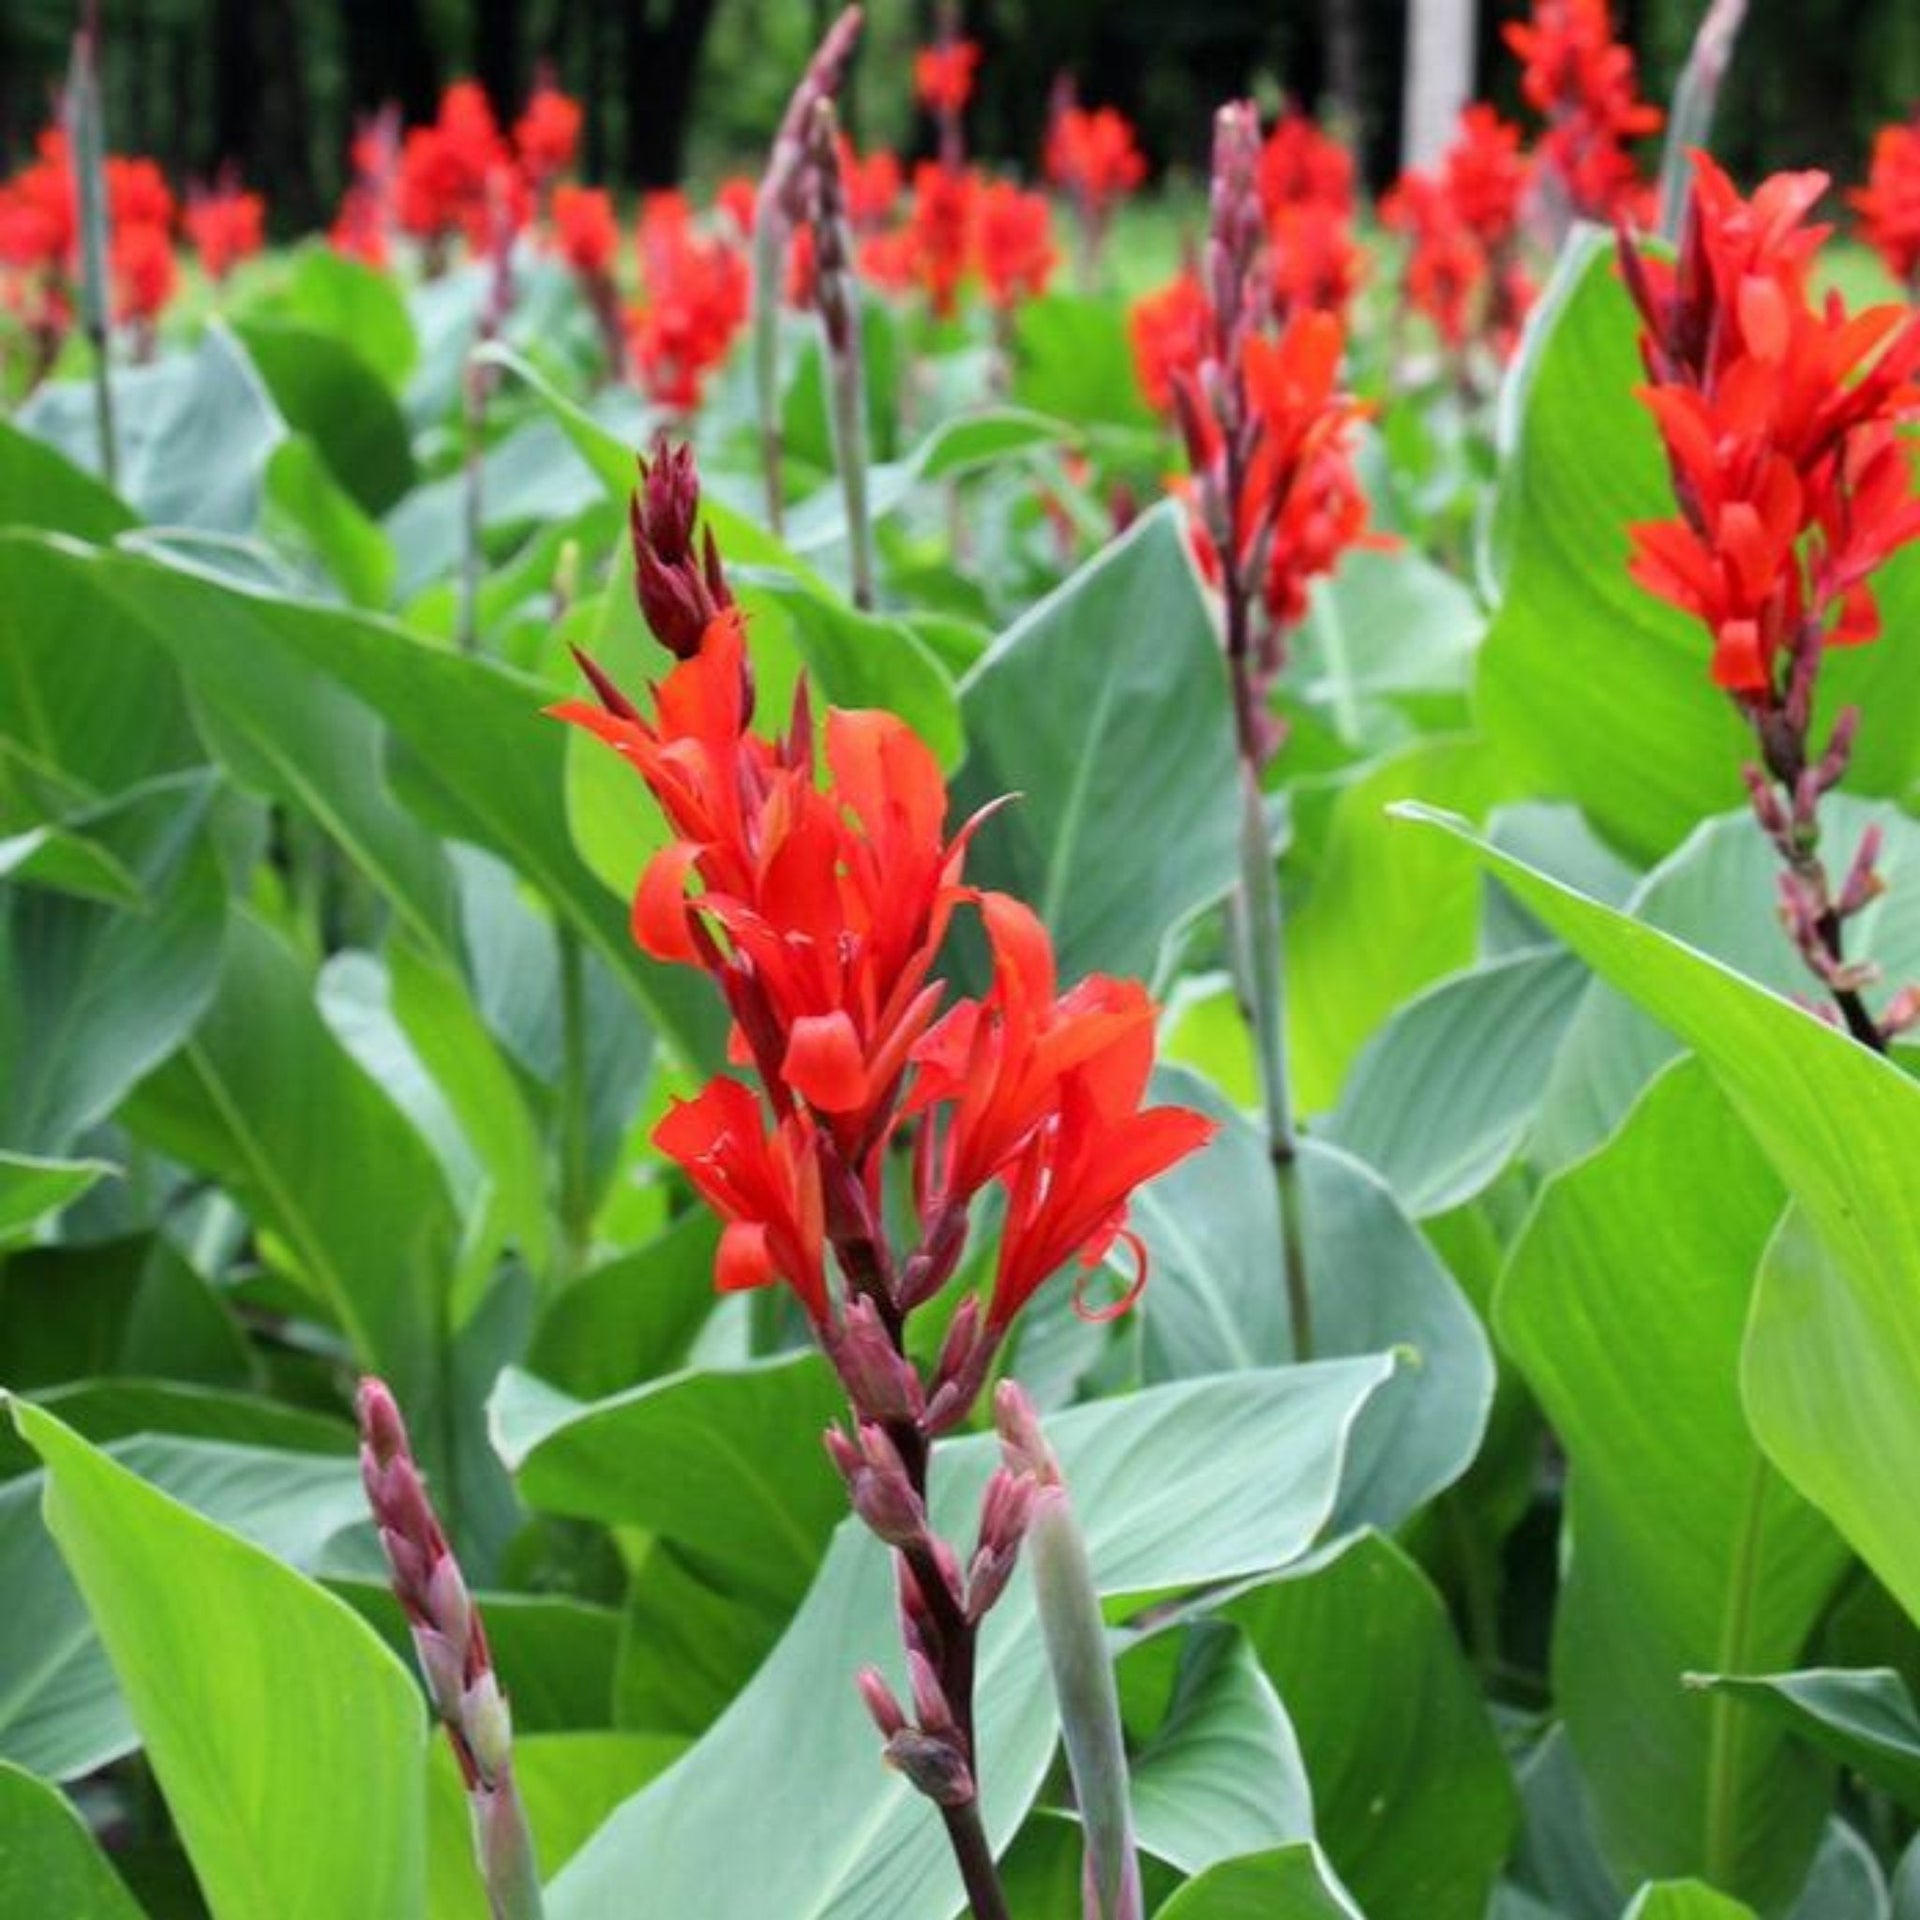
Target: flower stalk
x: 451, y: 1642
x: 772, y: 230
x: 1075, y: 1633
x: 86, y: 134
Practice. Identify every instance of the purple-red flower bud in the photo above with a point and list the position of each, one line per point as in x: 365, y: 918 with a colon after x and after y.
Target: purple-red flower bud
x: 878, y: 1484
x: 879, y: 1379
x: 934, y: 1765
x: 681, y: 587
x: 882, y: 1704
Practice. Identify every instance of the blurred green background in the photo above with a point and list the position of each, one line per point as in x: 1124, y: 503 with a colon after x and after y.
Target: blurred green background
x: 693, y: 86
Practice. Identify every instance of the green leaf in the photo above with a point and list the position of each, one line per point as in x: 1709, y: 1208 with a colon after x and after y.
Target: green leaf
x: 287, y: 1740
x: 728, y: 1466
x: 1288, y: 1883
x: 1382, y: 917
x: 1624, y: 1304
x: 49, y: 1863
x: 1719, y: 892
x: 1071, y: 359
x: 340, y: 1179
x: 41, y: 487
x: 1866, y: 1719
x: 92, y: 996
x: 1211, y: 1227
x: 1412, y: 1798
x: 33, y: 1190
x: 68, y: 863
x: 304, y: 497
x: 325, y: 390
x: 1175, y: 1487
x: 326, y: 292
x: 1105, y: 710
x: 1222, y: 1775
x: 1440, y: 1098
x: 1828, y: 1367
x: 194, y: 433
x: 1684, y: 1900
x: 1584, y: 672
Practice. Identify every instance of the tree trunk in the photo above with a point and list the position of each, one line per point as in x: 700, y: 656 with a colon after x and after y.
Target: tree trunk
x: 1439, y: 76
x: 662, y: 59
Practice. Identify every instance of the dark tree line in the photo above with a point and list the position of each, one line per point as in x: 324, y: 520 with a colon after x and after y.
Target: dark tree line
x: 276, y: 85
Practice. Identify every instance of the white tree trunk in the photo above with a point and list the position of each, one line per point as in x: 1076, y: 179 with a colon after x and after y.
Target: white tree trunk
x: 1440, y: 39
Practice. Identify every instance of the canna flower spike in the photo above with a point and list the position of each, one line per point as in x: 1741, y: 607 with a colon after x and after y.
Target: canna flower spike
x: 813, y: 877
x: 1782, y: 422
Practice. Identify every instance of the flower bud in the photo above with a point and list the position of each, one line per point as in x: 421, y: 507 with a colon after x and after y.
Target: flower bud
x: 880, y: 1701
x: 1022, y: 1444
x: 879, y: 1379
x: 935, y: 1766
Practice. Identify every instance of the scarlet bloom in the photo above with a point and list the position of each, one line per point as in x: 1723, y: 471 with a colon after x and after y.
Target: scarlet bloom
x: 1889, y: 204
x: 39, y: 209
x: 1484, y: 175
x: 763, y: 1182
x: 873, y: 184
x: 1169, y: 331
x: 737, y: 197
x: 547, y: 134
x: 441, y: 178
x: 138, y: 194
x: 1780, y: 421
x: 942, y: 231
x: 943, y: 75
x: 1042, y: 1092
x: 1092, y: 154
x: 226, y: 226
x: 1315, y: 260
x: 1302, y: 165
x: 1015, y: 235
x: 696, y: 293
x: 584, y: 229
x: 144, y: 273
x: 1583, y: 83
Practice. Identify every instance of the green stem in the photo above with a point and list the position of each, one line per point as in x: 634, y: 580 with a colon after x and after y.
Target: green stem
x: 1260, y: 962
x: 88, y: 137
x: 1075, y: 1633
x: 768, y: 232
x: 850, y: 452
x: 576, y: 1186
x: 1694, y: 98
x: 1727, y: 1719
x: 504, y: 1843
x: 473, y: 510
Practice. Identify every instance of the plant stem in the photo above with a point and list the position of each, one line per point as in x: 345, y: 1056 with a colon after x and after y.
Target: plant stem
x: 768, y: 233
x: 473, y: 511
x: 88, y: 137
x: 1260, y: 963
x: 576, y: 1198
x: 978, y: 1873
x: 1694, y: 98
x: 504, y: 1842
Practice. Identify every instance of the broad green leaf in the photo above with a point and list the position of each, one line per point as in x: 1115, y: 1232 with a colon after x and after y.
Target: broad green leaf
x: 33, y: 1190
x: 1288, y: 1883
x: 1412, y: 1797
x: 350, y: 1192
x: 1684, y: 1900
x: 50, y: 1865
x: 86, y: 711
x: 1557, y: 1859
x: 1222, y: 1775
x: 41, y: 487
x: 1834, y: 1346
x: 193, y: 430
x: 1071, y: 359
x: 1584, y: 673
x: 1105, y: 710
x: 92, y: 996
x: 1176, y: 1486
x: 124, y: 1409
x: 1719, y: 892
x: 1624, y: 1305
x: 1866, y: 1720
x: 1442, y: 1095
x: 1382, y: 917
x: 1846, y: 1882
x: 324, y: 389
x: 287, y: 1740
x: 307, y: 506
x: 1211, y: 1227
x: 68, y: 862
x: 728, y: 1466
x: 333, y: 294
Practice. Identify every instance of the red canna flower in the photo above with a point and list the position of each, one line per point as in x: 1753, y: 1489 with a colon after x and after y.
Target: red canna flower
x: 1301, y: 165
x: 1315, y: 261
x: 144, y: 273
x: 1889, y: 204
x: 737, y: 197
x: 585, y: 230
x: 1015, y: 237
x: 39, y: 209
x: 943, y: 76
x: 694, y: 305
x: 547, y: 134
x: 1092, y: 155
x: 1777, y: 419
x: 1484, y: 175
x: 889, y: 260
x: 138, y: 194
x: 1169, y: 331
x: 763, y: 1182
x: 942, y: 231
x: 1582, y: 82
x: 874, y: 184
x: 226, y: 226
